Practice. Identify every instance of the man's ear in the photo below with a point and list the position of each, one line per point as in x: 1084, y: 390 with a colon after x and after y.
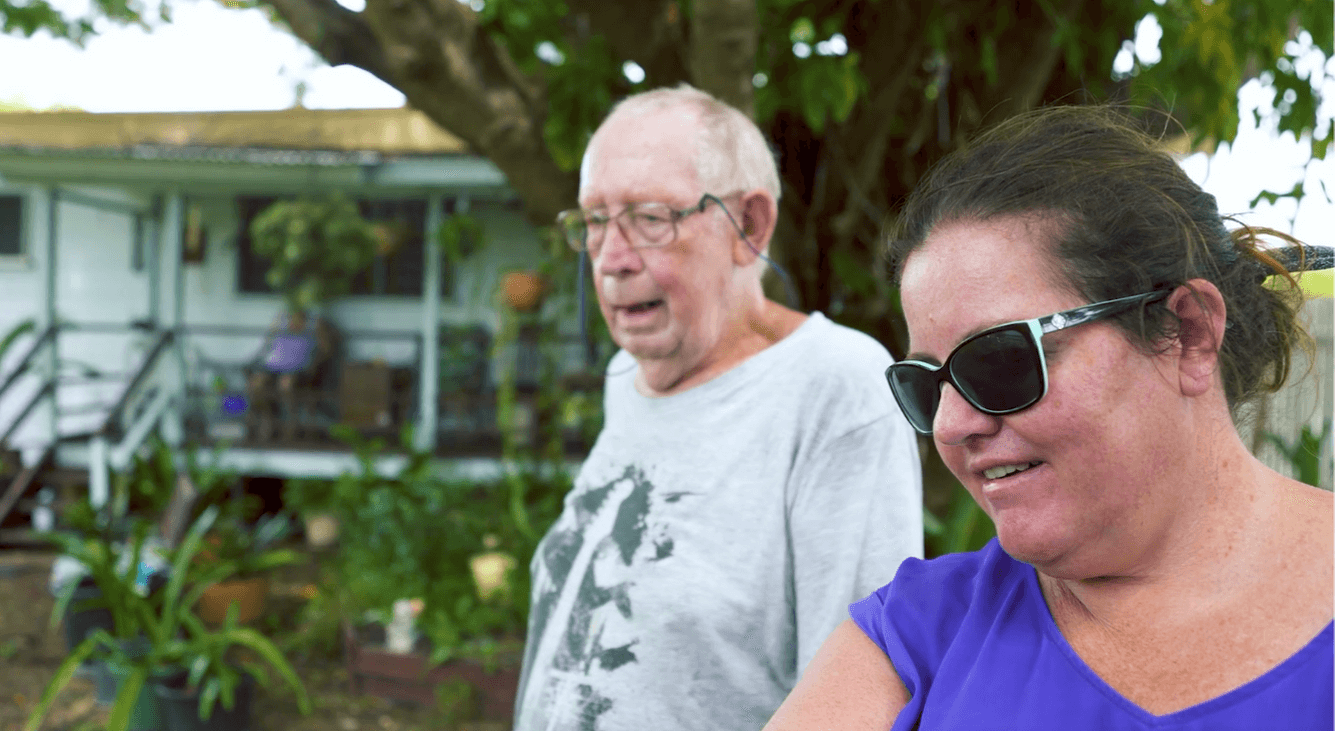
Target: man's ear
x: 1201, y: 314
x: 756, y: 218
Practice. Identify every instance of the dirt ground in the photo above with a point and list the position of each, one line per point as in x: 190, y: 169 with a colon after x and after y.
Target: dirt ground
x: 30, y: 652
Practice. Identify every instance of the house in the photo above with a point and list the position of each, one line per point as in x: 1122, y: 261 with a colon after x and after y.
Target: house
x: 125, y: 238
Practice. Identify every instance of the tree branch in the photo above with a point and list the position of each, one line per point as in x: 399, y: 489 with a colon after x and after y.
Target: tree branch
x: 339, y: 35
x: 448, y: 67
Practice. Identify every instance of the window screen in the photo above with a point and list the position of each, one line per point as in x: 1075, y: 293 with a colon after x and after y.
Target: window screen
x: 11, y: 225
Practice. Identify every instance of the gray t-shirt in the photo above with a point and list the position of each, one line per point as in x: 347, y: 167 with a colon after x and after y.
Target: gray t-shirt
x: 713, y: 539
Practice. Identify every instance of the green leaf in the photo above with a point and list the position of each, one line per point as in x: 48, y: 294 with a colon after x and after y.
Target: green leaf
x: 64, y: 673
x: 119, y: 719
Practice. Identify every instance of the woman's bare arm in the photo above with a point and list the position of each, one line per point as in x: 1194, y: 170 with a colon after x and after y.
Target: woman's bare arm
x: 850, y: 684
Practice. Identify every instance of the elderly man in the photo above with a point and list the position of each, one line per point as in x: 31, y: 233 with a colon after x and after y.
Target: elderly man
x: 753, y: 476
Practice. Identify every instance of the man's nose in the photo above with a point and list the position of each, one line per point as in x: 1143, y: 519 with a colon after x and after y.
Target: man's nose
x: 617, y: 253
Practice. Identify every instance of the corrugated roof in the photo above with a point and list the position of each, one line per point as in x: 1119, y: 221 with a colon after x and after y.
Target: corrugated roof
x: 389, y: 132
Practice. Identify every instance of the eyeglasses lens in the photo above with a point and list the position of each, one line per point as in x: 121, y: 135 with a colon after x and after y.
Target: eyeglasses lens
x: 999, y: 371
x: 917, y: 393
x: 647, y: 224
x: 574, y: 228
x: 653, y: 223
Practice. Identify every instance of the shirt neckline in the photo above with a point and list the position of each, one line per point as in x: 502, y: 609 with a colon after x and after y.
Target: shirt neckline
x: 738, y: 374
x: 1288, y: 666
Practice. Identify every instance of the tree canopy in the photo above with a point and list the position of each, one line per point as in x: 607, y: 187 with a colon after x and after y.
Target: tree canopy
x: 859, y: 97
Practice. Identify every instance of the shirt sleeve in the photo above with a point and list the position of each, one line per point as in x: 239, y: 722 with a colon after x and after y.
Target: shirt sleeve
x: 857, y: 513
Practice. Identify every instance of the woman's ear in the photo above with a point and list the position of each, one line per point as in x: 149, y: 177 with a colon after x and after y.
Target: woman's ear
x: 1202, y: 318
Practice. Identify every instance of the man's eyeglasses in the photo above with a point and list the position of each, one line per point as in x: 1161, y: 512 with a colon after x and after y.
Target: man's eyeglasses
x: 1001, y: 370
x: 647, y: 225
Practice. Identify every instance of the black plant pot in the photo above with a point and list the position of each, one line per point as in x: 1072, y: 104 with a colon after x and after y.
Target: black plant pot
x: 105, y: 683
x: 80, y: 622
x: 179, y: 706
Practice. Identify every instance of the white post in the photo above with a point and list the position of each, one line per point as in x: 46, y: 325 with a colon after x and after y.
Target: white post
x: 51, y: 314
x: 98, y: 486
x: 428, y: 385
x: 172, y: 300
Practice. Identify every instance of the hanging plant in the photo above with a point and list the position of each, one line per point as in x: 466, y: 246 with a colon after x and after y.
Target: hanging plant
x: 315, y: 247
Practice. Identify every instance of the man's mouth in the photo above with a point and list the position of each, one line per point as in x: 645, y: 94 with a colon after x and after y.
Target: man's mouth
x: 1006, y: 470
x: 639, y: 307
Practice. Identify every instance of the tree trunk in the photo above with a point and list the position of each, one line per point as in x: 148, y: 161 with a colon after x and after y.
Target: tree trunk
x: 722, y: 54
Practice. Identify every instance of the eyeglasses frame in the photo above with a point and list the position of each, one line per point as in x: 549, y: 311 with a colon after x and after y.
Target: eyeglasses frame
x: 1034, y: 328
x: 675, y: 217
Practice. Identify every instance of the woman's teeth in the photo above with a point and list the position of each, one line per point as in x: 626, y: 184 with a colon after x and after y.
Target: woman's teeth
x: 996, y: 473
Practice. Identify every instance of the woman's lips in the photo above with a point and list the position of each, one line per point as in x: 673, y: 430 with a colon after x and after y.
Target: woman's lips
x: 1015, y: 484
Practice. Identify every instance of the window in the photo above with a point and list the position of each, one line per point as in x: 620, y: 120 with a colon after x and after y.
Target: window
x: 396, y: 272
x: 11, y: 225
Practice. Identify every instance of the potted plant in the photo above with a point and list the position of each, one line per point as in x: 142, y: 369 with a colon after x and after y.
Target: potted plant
x: 145, y: 617
x: 523, y: 290
x: 248, y: 543
x: 212, y: 690
x: 316, y: 245
x: 312, y: 500
x: 251, y: 553
x: 154, y: 630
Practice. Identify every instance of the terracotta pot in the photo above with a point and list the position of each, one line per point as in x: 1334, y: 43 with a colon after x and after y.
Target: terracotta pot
x: 374, y: 670
x: 523, y: 291
x: 250, y: 593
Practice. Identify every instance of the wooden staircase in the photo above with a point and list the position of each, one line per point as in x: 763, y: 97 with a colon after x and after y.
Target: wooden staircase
x: 20, y: 482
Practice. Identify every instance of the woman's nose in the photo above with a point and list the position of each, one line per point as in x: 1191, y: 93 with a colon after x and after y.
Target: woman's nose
x: 957, y: 420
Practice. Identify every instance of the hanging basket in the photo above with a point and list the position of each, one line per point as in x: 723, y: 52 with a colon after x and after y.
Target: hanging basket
x: 523, y: 291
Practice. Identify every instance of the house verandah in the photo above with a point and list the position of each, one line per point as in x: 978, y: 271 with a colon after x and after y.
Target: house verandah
x: 124, y: 239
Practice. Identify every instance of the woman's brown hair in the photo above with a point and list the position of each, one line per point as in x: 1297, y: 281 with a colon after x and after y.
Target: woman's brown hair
x: 1130, y: 221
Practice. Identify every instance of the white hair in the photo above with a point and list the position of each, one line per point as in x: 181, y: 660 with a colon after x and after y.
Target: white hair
x: 731, y: 154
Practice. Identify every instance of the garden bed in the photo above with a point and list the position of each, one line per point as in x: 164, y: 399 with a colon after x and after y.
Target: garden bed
x: 30, y: 651
x: 487, y: 688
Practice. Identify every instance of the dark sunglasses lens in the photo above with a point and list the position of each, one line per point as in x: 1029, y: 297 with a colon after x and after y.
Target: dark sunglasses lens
x: 999, y: 371
x: 917, y: 392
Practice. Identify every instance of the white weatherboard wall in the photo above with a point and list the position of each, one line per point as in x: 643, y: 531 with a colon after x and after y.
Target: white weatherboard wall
x: 94, y: 283
x: 1307, y: 399
x: 22, y: 296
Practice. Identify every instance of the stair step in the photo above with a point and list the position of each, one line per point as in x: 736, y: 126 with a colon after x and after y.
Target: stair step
x: 24, y: 538
x: 64, y: 477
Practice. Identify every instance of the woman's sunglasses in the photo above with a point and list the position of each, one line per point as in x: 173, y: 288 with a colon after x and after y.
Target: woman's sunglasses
x: 1001, y: 370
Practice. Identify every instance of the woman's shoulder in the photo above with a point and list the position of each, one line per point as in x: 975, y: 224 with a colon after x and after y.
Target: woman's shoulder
x: 930, y: 600
x: 955, y: 580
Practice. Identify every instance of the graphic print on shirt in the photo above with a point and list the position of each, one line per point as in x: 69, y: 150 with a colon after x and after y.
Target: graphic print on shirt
x: 584, y: 574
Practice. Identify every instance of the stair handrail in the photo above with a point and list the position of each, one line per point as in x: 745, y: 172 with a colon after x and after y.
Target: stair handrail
x: 23, y: 480
x: 48, y: 336
x: 47, y: 390
x: 161, y: 345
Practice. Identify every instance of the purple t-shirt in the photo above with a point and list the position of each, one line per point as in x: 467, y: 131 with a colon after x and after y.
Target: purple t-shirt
x: 973, y: 640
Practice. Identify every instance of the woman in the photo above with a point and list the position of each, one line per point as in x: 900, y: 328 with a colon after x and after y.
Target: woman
x: 1100, y: 331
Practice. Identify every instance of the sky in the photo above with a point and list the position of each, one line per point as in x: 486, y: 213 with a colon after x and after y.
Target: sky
x: 210, y: 58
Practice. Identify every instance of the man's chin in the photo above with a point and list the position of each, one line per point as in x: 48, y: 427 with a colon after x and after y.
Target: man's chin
x: 645, y: 345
